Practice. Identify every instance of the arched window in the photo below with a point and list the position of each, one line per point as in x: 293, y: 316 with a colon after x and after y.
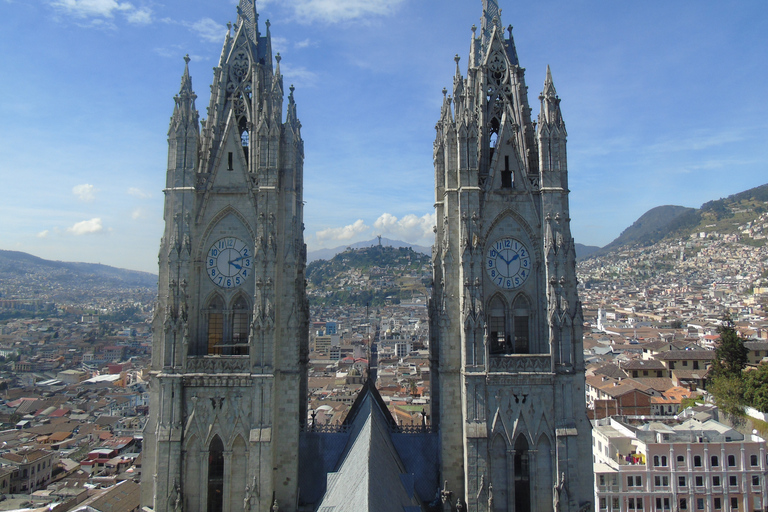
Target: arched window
x: 522, y: 476
x: 497, y: 326
x: 215, y: 325
x: 216, y: 475
x: 241, y: 320
x: 521, y: 325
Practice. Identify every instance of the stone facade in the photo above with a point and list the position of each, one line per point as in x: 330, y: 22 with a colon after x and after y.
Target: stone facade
x: 230, y: 333
x: 506, y: 322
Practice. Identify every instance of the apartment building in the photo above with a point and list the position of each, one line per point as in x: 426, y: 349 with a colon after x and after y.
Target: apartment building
x: 693, y: 465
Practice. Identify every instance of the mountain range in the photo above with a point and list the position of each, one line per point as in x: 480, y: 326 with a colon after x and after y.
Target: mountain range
x: 724, y: 216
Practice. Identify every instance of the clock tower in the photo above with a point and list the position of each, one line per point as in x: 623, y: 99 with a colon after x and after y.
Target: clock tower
x: 228, y: 375
x: 506, y: 322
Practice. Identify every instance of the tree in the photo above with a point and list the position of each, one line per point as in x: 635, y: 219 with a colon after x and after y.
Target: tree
x: 728, y: 391
x: 756, y: 388
x: 730, y: 354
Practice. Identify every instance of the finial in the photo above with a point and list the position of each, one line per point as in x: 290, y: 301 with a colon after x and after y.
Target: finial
x: 268, y: 24
x: 456, y: 58
x: 474, y: 29
x: 186, y: 58
x: 445, y: 91
x: 292, y: 88
x: 229, y: 25
x: 278, y: 58
x: 509, y: 28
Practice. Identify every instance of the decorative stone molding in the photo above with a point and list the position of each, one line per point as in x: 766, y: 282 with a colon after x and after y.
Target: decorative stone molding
x: 219, y: 364
x: 521, y: 364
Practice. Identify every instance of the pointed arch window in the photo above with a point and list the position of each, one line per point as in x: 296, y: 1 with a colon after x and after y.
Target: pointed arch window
x: 215, y: 324
x: 522, y: 476
x: 241, y: 320
x: 497, y: 326
x: 216, y: 475
x: 227, y: 328
x: 521, y: 325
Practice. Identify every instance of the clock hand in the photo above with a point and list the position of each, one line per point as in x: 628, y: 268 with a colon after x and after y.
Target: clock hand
x: 238, y: 259
x: 513, y: 258
x: 235, y: 265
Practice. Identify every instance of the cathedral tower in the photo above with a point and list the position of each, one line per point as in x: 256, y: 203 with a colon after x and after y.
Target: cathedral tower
x: 506, y: 322
x: 228, y: 375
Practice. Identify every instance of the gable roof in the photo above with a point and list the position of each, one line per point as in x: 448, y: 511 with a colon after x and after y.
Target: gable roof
x: 371, y: 475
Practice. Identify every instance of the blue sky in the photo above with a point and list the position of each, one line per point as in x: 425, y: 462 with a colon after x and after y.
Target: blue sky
x: 665, y: 103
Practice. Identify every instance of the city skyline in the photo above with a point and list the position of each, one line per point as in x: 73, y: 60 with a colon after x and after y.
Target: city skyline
x: 662, y: 106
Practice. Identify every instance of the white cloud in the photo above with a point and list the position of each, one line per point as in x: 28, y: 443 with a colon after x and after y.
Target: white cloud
x: 208, y: 30
x: 87, y: 227
x: 140, y: 16
x: 279, y: 44
x: 138, y: 213
x: 103, y: 9
x: 84, y: 192
x: 303, y: 44
x: 410, y: 228
x: 43, y: 234
x: 137, y: 192
x: 334, y: 11
x: 342, y: 234
x: 299, y: 75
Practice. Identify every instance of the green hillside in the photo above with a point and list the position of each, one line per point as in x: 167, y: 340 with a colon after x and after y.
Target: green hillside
x: 372, y: 275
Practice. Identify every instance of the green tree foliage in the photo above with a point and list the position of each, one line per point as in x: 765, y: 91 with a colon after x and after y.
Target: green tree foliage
x: 730, y: 354
x: 756, y: 388
x: 728, y: 391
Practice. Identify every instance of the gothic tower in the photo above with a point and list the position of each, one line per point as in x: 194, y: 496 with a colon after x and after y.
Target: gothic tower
x: 506, y: 322
x: 228, y: 375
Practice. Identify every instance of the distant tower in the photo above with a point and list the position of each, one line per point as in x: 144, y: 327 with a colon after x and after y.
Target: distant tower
x: 228, y: 375
x: 506, y: 322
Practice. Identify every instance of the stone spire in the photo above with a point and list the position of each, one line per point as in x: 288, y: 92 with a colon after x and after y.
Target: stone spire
x: 184, y: 110
x: 550, y: 103
x: 491, y: 19
x: 247, y: 15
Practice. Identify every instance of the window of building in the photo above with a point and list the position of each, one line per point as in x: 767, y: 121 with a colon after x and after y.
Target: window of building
x: 699, y: 503
x: 522, y: 476
x: 755, y: 481
x: 718, y: 503
x: 520, y: 315
x: 753, y: 460
x: 731, y: 460
x: 680, y: 460
x: 716, y: 481
x: 664, y: 460
x: 630, y: 503
x: 656, y: 460
x: 697, y: 461
x: 506, y: 174
x: 734, y: 503
x: 216, y: 475
x: 215, y: 325
x: 683, y: 504
x: 603, y: 504
x: 699, y: 481
x: 602, y: 480
x: 615, y: 503
x: 715, y: 461
x: 230, y: 162
x: 732, y: 481
x: 681, y: 481
x: 497, y: 327
x: 639, y: 503
x: 241, y: 321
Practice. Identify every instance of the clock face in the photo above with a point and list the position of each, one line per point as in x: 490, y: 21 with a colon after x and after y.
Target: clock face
x: 229, y: 262
x: 508, y: 263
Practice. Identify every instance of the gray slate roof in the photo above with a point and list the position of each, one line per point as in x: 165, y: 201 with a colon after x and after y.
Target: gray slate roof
x: 371, y: 475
